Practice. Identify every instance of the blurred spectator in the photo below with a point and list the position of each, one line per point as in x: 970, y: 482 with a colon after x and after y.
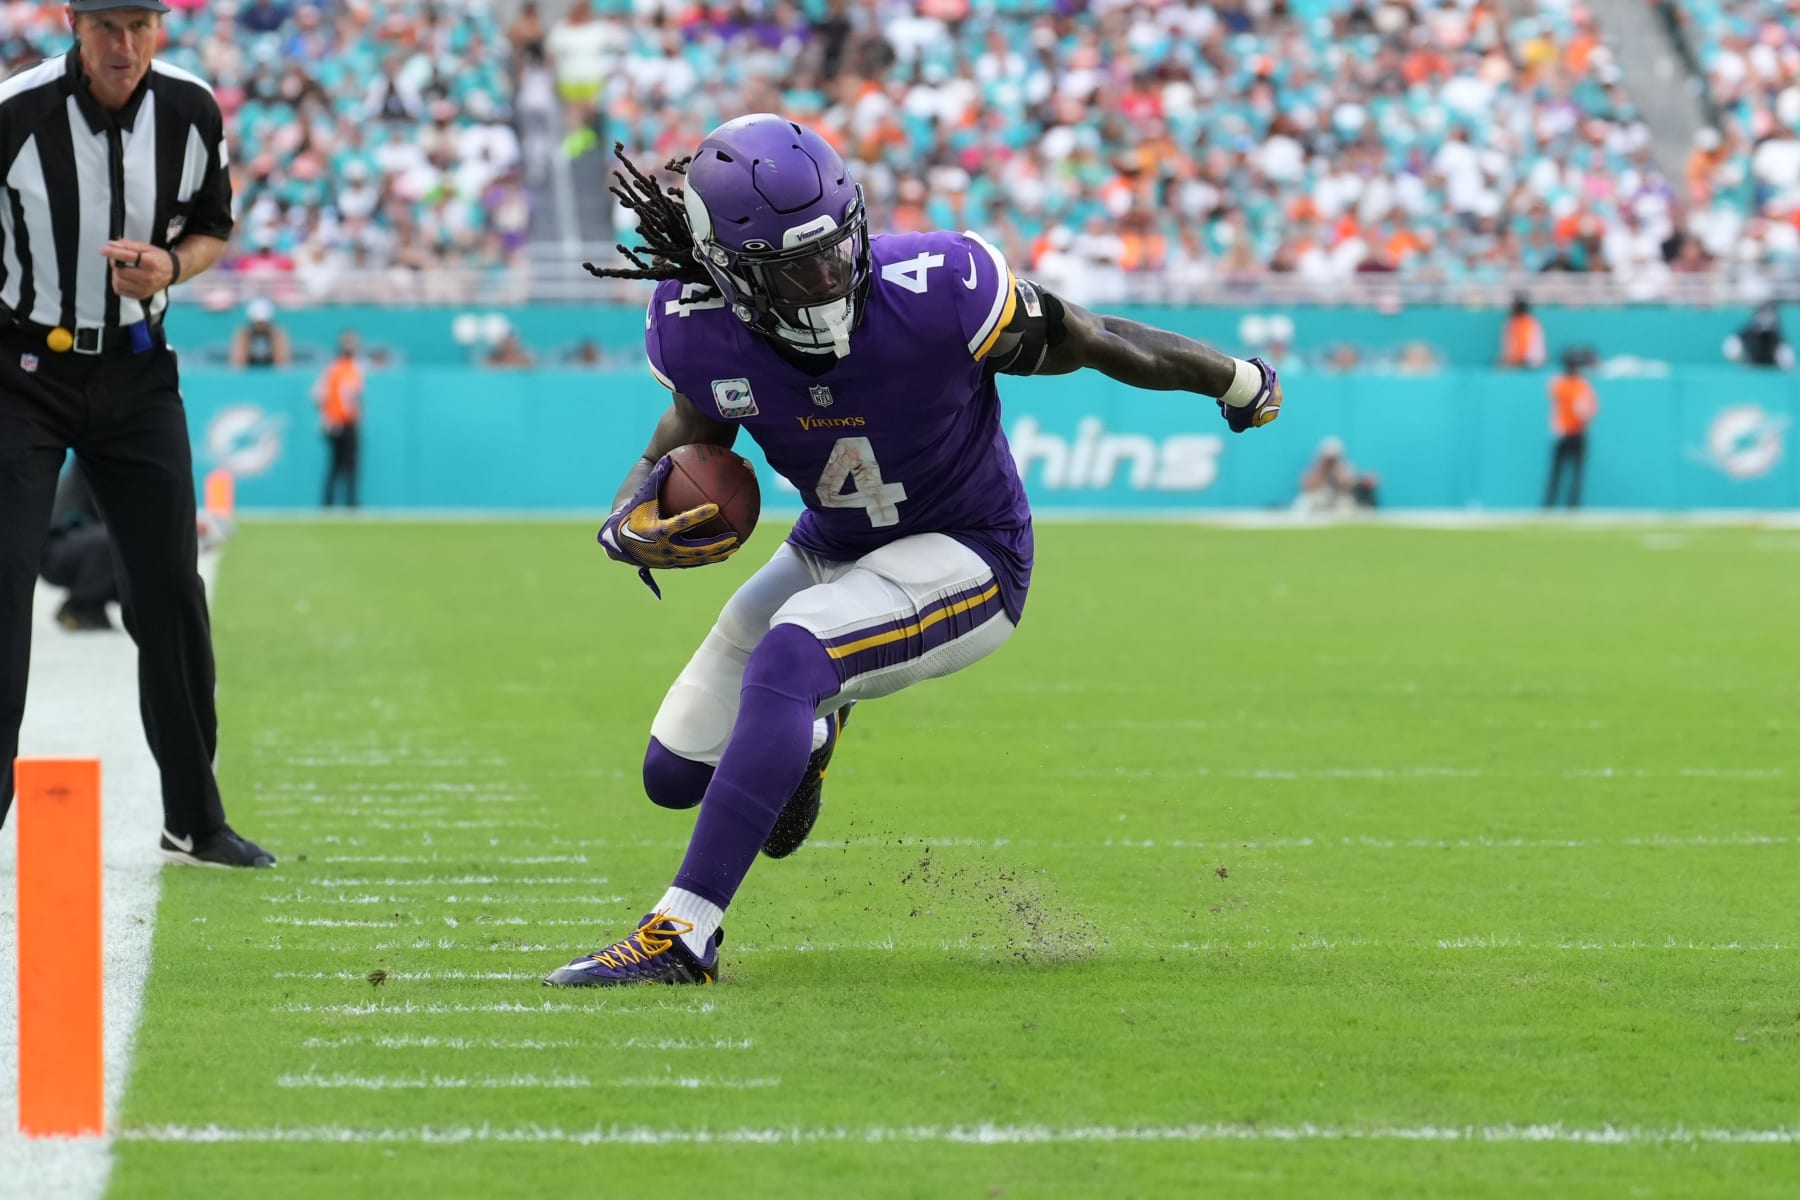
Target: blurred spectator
x: 581, y: 49
x: 79, y: 555
x: 339, y: 396
x: 1572, y: 408
x: 259, y: 341
x: 1761, y: 343
x: 1333, y: 484
x: 510, y: 352
x: 263, y: 16
x: 585, y: 353
x: 535, y: 106
x: 1522, y: 338
x: 527, y: 31
x: 832, y: 30
x: 264, y: 258
x: 1417, y: 358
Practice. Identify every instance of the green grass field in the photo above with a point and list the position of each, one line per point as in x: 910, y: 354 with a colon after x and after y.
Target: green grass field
x: 1339, y: 862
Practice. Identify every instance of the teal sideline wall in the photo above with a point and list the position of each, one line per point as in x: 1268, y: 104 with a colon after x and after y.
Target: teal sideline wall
x: 1466, y: 337
x: 455, y: 438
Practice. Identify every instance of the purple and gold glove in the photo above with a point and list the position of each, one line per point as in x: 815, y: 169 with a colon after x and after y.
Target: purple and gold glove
x: 1260, y: 411
x: 639, y: 534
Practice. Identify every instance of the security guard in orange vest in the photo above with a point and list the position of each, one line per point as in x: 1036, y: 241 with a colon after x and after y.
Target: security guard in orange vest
x: 339, y: 397
x: 1572, y: 408
x: 1522, y: 338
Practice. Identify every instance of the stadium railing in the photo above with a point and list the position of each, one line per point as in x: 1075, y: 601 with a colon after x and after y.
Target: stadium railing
x: 570, y: 284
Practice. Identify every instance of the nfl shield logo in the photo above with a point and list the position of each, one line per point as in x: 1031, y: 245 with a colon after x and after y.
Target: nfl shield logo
x: 821, y: 395
x: 27, y: 362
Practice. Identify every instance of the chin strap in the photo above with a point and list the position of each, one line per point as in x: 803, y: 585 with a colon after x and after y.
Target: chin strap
x: 840, y: 339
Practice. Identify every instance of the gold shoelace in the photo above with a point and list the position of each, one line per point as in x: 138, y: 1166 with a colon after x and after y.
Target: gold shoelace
x: 645, y: 943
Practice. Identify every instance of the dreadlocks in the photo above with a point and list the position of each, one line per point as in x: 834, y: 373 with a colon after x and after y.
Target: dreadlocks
x: 668, y: 249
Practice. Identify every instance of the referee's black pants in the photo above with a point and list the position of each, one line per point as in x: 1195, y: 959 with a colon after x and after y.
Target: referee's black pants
x: 123, y: 417
x: 1570, y: 454
x: 344, y: 442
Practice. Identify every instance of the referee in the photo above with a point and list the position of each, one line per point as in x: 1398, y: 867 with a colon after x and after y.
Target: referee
x: 114, y: 188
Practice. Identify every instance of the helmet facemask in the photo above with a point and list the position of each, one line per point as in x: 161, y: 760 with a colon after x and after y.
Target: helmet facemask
x: 808, y: 292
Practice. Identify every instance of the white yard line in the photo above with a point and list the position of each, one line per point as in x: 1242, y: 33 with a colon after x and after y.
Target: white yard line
x: 1288, y: 774
x: 1356, y: 842
x: 83, y: 704
x: 419, y: 918
x: 415, y: 976
x: 383, y: 1083
x: 458, y: 881
x: 1461, y: 942
x: 433, y: 860
x: 428, y: 1041
x: 303, y: 899
x: 975, y: 1135
x: 409, y: 1008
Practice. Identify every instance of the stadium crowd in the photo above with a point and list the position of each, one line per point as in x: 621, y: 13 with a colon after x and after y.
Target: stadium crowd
x: 1318, y: 140
x: 1194, y: 143
x: 1744, y: 177
x: 360, y: 136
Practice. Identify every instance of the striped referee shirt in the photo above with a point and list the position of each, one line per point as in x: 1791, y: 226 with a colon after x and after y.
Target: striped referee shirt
x: 77, y: 176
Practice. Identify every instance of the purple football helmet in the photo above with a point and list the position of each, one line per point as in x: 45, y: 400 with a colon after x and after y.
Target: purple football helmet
x: 781, y: 229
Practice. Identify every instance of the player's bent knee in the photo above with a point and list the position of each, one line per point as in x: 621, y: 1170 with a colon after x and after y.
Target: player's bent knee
x: 792, y: 661
x: 697, y: 715
x: 740, y: 626
x: 672, y: 781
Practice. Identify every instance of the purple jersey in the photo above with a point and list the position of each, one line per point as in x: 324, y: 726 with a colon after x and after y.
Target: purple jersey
x: 900, y: 437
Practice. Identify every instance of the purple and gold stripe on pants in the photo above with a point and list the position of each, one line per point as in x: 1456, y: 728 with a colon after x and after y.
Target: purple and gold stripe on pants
x: 891, y: 643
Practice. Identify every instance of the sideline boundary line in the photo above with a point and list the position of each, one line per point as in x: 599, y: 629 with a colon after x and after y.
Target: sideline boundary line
x: 83, y: 703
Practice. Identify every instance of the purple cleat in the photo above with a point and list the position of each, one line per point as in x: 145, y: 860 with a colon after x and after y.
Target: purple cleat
x: 654, y: 953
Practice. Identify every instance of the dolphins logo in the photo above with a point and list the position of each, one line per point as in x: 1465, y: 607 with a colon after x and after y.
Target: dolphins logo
x: 1744, y: 441
x: 244, y: 439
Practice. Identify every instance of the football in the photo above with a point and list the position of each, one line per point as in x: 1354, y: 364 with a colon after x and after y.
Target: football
x: 704, y: 474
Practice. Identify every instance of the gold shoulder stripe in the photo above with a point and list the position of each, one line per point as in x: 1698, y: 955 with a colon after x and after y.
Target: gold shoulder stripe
x: 1006, y: 316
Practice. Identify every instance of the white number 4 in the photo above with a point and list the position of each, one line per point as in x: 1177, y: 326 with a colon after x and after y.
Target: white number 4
x: 853, y: 460
x: 910, y: 274
x: 694, y: 298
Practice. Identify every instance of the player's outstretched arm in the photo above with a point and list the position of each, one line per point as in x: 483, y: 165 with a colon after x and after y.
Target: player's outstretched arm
x: 638, y: 532
x: 1248, y: 392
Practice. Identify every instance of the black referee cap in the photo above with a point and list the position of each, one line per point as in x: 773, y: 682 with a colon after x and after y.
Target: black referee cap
x: 94, y: 6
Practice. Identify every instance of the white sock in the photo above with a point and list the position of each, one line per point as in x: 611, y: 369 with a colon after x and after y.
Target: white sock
x: 821, y: 728
x: 703, y: 913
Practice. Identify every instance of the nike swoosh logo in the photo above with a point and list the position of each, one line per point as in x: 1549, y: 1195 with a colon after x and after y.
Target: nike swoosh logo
x: 636, y: 537
x: 185, y: 845
x: 970, y: 281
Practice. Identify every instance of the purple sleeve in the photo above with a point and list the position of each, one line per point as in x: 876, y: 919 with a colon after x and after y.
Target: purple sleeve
x: 653, y: 348
x: 983, y: 289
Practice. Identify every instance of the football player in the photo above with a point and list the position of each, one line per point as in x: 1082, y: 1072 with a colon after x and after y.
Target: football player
x: 864, y: 367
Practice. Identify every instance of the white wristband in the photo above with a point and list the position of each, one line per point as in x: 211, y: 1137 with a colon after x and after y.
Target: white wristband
x: 1246, y: 385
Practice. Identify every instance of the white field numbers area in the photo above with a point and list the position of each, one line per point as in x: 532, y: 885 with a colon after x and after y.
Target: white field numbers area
x: 83, y: 704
